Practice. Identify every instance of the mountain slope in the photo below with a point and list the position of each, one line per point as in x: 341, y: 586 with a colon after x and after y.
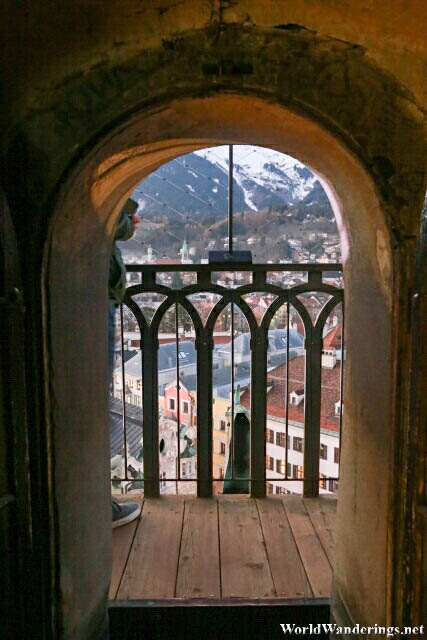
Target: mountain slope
x: 195, y: 186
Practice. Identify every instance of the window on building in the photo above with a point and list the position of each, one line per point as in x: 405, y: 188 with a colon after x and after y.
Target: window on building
x: 282, y: 439
x: 130, y: 383
x: 333, y: 486
x: 323, y: 451
x: 184, y: 469
x: 269, y: 434
x: 281, y: 466
x: 269, y: 463
x: 185, y: 407
x: 336, y: 455
x: 322, y: 481
x: 297, y: 471
x: 270, y: 488
x: 221, y: 472
x: 222, y: 425
x: 222, y: 448
x: 298, y: 444
x: 172, y: 403
x: 138, y: 385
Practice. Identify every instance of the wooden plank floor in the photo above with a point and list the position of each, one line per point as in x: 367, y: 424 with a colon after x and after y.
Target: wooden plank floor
x: 225, y: 547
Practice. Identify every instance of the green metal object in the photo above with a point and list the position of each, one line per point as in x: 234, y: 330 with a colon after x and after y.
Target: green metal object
x: 237, y: 473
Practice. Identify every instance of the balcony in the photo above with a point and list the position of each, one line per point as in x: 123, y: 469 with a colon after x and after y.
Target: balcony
x: 226, y: 547
x: 264, y: 341
x: 253, y: 345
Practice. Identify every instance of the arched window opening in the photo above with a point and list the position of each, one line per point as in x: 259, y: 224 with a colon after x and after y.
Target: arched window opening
x: 280, y: 211
x: 206, y: 217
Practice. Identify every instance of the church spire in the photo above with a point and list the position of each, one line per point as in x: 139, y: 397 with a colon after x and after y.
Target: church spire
x: 184, y: 252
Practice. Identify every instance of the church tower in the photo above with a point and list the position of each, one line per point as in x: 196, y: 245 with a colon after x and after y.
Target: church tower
x: 185, y: 259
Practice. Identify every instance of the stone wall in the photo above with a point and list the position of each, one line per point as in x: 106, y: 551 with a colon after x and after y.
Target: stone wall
x: 96, y: 95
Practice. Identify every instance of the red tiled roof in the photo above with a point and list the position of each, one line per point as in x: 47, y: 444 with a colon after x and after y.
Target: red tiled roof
x: 333, y: 338
x: 166, y: 261
x: 276, y: 406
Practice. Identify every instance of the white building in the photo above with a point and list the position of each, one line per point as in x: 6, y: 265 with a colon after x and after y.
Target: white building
x: 282, y: 450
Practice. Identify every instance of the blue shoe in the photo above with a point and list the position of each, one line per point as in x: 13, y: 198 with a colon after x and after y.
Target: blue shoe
x: 124, y: 512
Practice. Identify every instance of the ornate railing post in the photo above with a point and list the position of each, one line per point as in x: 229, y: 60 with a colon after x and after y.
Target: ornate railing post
x: 259, y: 347
x: 204, y: 346
x: 313, y: 389
x: 150, y: 424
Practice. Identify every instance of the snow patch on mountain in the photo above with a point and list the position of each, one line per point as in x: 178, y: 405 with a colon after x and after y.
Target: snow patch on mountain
x: 196, y: 184
x: 272, y: 171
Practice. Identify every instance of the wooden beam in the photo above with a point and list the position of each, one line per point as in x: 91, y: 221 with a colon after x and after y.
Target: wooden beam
x: 245, y: 571
x: 315, y: 561
x: 287, y: 569
x: 153, y: 562
x: 121, y: 546
x: 198, y: 570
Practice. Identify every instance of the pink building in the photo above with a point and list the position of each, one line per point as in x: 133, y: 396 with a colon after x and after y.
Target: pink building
x: 187, y: 403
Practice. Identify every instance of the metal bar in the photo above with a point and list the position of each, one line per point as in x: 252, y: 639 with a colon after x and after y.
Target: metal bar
x: 235, y: 266
x: 204, y: 347
x: 130, y: 479
x: 178, y: 408
x: 313, y: 372
x: 150, y: 412
x: 296, y: 479
x: 258, y: 410
x: 230, y: 198
x: 341, y: 385
x: 287, y: 389
x: 122, y: 350
x: 231, y: 431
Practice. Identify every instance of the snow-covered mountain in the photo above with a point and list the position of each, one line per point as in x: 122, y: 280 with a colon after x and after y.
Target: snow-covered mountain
x: 262, y: 173
x: 195, y: 185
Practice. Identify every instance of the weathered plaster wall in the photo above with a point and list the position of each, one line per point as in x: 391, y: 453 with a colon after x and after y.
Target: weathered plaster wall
x: 147, y: 140
x: 368, y: 278
x: 330, y: 81
x: 116, y: 82
x: 74, y: 36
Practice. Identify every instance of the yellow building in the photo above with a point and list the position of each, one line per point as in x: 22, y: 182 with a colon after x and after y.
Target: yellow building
x: 221, y: 439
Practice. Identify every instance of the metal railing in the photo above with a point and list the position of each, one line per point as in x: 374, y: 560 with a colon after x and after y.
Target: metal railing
x: 204, y: 344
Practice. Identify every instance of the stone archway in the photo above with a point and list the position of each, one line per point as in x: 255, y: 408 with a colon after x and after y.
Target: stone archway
x: 183, y: 106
